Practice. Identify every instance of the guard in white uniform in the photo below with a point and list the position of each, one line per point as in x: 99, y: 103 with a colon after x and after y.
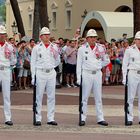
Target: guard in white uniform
x: 7, y: 58
x: 91, y: 58
x: 44, y: 58
x: 131, y: 65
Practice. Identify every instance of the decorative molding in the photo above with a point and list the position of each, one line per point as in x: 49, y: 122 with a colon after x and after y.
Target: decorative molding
x: 54, y: 29
x: 68, y: 3
x: 30, y: 8
x: 54, y: 5
x: 68, y: 28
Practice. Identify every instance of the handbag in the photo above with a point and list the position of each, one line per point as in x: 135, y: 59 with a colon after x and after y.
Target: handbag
x: 26, y: 64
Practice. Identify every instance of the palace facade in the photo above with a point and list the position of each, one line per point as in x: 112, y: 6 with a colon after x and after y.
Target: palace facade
x: 111, y: 18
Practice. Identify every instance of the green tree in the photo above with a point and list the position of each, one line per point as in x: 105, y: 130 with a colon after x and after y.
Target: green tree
x: 3, y: 12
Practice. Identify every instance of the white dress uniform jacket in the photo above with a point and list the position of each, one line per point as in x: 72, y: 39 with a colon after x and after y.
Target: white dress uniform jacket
x: 7, y: 58
x: 131, y: 60
x: 131, y: 63
x: 42, y: 58
x: 89, y: 64
x: 43, y: 62
x: 89, y: 59
x: 7, y: 55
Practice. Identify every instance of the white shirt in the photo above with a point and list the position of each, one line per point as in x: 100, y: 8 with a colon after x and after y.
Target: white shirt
x: 44, y: 58
x: 131, y: 59
x: 64, y: 53
x: 7, y: 55
x: 88, y: 59
x: 71, y: 53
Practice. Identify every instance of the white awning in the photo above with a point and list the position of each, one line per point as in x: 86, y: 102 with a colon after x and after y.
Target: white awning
x: 114, y: 24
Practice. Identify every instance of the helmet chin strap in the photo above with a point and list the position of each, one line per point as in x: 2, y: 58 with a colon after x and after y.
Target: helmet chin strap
x: 91, y: 44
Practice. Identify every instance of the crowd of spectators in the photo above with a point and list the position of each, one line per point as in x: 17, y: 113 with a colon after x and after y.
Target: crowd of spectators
x: 112, y: 73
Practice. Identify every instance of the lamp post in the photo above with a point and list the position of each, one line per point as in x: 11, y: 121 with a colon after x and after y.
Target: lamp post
x: 14, y: 28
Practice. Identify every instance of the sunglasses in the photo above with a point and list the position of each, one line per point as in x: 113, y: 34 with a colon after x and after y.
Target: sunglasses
x: 44, y: 34
x: 92, y: 36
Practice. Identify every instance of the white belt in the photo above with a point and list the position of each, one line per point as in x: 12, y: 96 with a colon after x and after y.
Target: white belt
x: 4, y: 67
x: 137, y: 71
x: 91, y: 71
x: 45, y: 70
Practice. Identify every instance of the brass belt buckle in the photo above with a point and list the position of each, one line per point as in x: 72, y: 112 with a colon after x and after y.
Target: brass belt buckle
x: 93, y: 72
x: 1, y: 68
x: 47, y: 71
x: 138, y: 72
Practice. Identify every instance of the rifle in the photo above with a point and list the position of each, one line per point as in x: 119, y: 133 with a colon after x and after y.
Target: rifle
x: 34, y: 102
x: 126, y: 105
x: 80, y: 103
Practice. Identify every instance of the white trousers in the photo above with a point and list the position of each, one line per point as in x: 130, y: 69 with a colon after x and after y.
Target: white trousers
x: 133, y: 89
x: 45, y: 81
x: 92, y: 82
x: 5, y: 81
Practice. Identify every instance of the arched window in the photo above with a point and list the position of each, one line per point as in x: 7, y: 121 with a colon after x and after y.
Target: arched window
x: 54, y: 7
x: 68, y: 6
x: 123, y: 8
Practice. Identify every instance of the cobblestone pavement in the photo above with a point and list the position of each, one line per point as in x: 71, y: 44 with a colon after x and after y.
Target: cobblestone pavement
x: 112, y: 129
x: 67, y: 117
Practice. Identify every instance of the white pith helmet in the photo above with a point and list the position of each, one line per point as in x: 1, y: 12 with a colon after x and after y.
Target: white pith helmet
x: 44, y: 30
x: 91, y: 32
x: 2, y: 29
x: 137, y: 35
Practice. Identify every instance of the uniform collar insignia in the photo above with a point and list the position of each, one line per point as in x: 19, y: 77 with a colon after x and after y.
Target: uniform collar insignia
x: 41, y: 44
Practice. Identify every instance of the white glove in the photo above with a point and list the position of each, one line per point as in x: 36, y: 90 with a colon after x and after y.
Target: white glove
x: 124, y: 81
x: 33, y: 81
x: 78, y: 81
